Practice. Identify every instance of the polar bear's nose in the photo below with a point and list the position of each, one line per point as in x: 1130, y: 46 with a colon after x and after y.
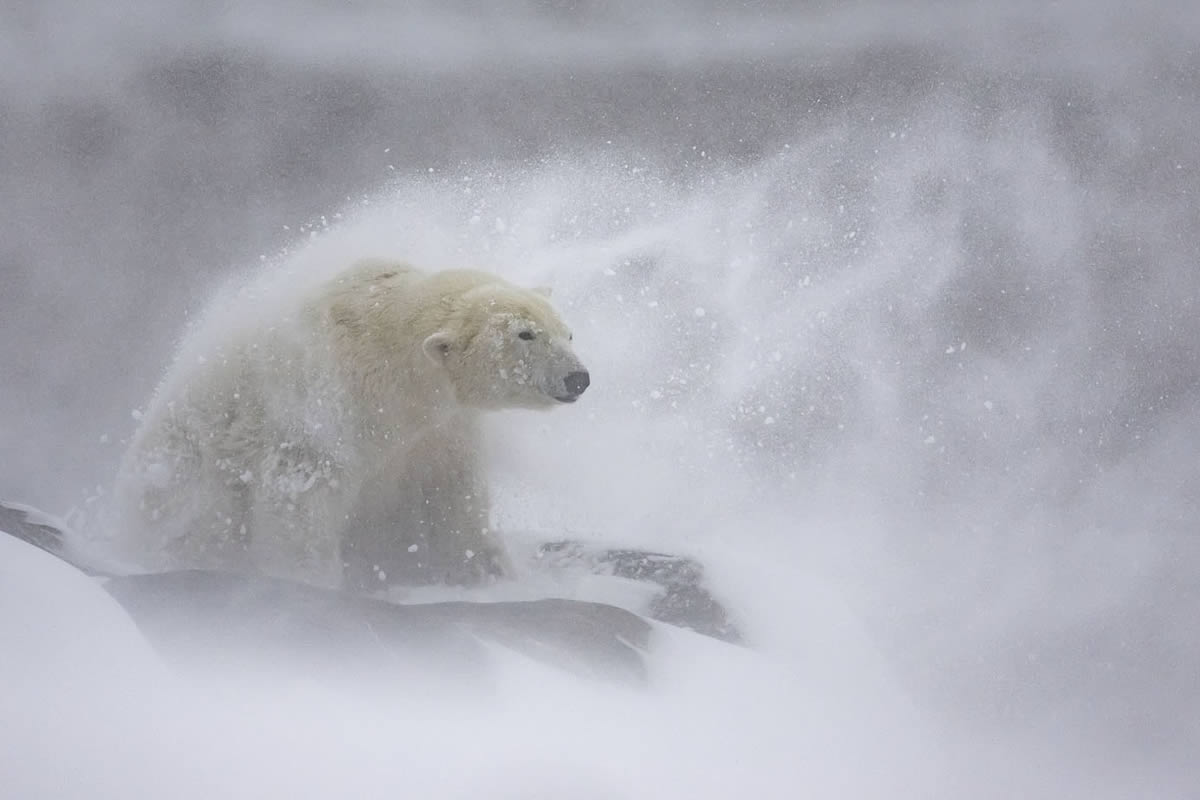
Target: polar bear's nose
x: 576, y: 382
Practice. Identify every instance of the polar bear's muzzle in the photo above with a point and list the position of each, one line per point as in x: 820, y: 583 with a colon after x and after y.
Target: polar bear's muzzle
x: 575, y: 383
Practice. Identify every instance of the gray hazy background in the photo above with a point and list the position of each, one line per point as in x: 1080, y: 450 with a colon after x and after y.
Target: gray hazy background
x: 926, y: 266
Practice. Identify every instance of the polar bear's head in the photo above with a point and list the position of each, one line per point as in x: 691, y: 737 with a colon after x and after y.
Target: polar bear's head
x: 505, y: 347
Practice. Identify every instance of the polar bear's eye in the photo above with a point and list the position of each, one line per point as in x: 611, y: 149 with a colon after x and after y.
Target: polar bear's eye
x: 526, y: 335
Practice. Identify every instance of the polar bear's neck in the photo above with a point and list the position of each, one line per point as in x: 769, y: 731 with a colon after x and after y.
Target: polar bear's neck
x: 390, y: 387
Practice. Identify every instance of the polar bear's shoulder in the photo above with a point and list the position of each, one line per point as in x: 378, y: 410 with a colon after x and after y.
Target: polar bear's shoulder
x: 367, y: 272
x: 374, y: 270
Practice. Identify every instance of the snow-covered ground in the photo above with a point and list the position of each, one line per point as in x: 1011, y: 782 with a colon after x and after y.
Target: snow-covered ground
x: 890, y: 311
x: 91, y: 711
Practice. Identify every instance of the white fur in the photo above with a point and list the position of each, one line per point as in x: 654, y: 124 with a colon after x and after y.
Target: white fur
x: 342, y: 427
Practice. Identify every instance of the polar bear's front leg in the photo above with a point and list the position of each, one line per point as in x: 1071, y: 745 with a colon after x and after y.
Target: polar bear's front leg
x: 297, y: 516
x: 459, y: 544
x: 419, y: 525
x: 449, y: 507
x: 424, y: 518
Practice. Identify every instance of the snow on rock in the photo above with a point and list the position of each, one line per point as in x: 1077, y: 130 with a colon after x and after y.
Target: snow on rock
x: 90, y: 711
x: 54, y: 620
x: 73, y: 670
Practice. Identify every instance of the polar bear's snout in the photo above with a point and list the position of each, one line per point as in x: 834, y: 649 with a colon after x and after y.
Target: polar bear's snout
x: 575, y: 383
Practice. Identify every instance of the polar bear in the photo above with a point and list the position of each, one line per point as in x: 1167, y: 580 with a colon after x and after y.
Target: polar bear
x: 336, y: 439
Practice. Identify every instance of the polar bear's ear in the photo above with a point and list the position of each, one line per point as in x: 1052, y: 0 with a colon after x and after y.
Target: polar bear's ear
x: 437, y: 347
x: 544, y: 291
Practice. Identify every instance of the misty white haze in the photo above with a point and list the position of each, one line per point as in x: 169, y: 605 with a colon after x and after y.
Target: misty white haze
x: 891, y: 317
